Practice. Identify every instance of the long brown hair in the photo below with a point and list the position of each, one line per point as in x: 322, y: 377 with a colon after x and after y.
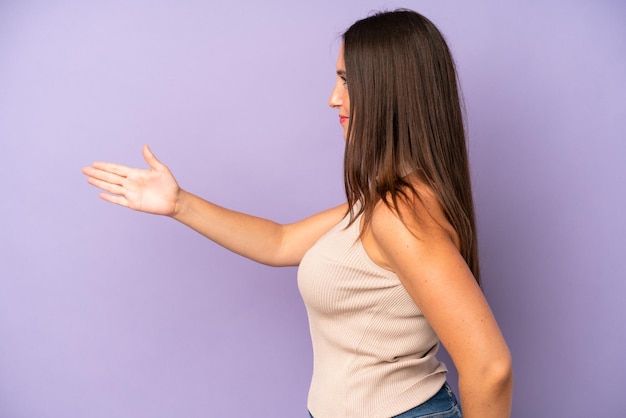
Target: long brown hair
x: 406, y: 116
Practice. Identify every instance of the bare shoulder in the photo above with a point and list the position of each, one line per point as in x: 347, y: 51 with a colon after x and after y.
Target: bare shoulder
x: 414, y: 240
x: 419, y: 218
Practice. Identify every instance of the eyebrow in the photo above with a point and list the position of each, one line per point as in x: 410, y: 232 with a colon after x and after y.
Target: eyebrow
x: 341, y: 73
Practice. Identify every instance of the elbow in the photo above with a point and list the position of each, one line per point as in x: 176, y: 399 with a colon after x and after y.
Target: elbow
x: 495, y: 377
x: 498, y: 376
x: 501, y: 374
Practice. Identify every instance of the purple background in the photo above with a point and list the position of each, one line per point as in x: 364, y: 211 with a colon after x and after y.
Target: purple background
x: 105, y: 312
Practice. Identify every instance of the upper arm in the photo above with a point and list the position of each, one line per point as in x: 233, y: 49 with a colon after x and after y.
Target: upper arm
x: 299, y: 236
x: 431, y: 268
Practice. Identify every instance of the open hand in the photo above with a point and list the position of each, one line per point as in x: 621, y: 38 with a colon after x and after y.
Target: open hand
x: 153, y: 191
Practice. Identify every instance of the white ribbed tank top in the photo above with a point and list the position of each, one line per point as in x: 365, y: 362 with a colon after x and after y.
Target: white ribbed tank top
x: 374, y: 352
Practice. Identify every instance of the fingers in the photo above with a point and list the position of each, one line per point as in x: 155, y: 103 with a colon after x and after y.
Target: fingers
x: 117, y: 169
x: 117, y: 199
x: 116, y: 189
x: 103, y: 175
x: 122, y: 170
x: 151, y: 159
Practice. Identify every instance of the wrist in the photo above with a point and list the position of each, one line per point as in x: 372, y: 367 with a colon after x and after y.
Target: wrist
x: 180, y: 204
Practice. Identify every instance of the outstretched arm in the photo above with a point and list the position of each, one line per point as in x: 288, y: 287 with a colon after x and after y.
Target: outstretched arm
x: 156, y: 191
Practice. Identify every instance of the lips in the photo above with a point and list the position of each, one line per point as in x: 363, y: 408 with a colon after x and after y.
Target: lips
x: 343, y: 119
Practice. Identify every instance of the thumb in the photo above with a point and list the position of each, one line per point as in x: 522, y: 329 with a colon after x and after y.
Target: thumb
x: 152, y: 161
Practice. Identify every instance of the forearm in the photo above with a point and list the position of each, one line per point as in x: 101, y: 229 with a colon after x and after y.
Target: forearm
x: 252, y: 237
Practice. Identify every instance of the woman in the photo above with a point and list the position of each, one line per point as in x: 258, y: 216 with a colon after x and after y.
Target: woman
x: 392, y: 272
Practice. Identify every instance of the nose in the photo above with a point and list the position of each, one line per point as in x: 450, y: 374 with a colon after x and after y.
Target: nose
x: 335, y: 98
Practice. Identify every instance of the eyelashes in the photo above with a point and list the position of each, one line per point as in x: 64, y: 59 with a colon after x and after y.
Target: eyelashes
x: 342, y: 76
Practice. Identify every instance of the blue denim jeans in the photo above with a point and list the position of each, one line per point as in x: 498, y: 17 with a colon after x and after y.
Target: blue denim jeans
x: 442, y: 405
